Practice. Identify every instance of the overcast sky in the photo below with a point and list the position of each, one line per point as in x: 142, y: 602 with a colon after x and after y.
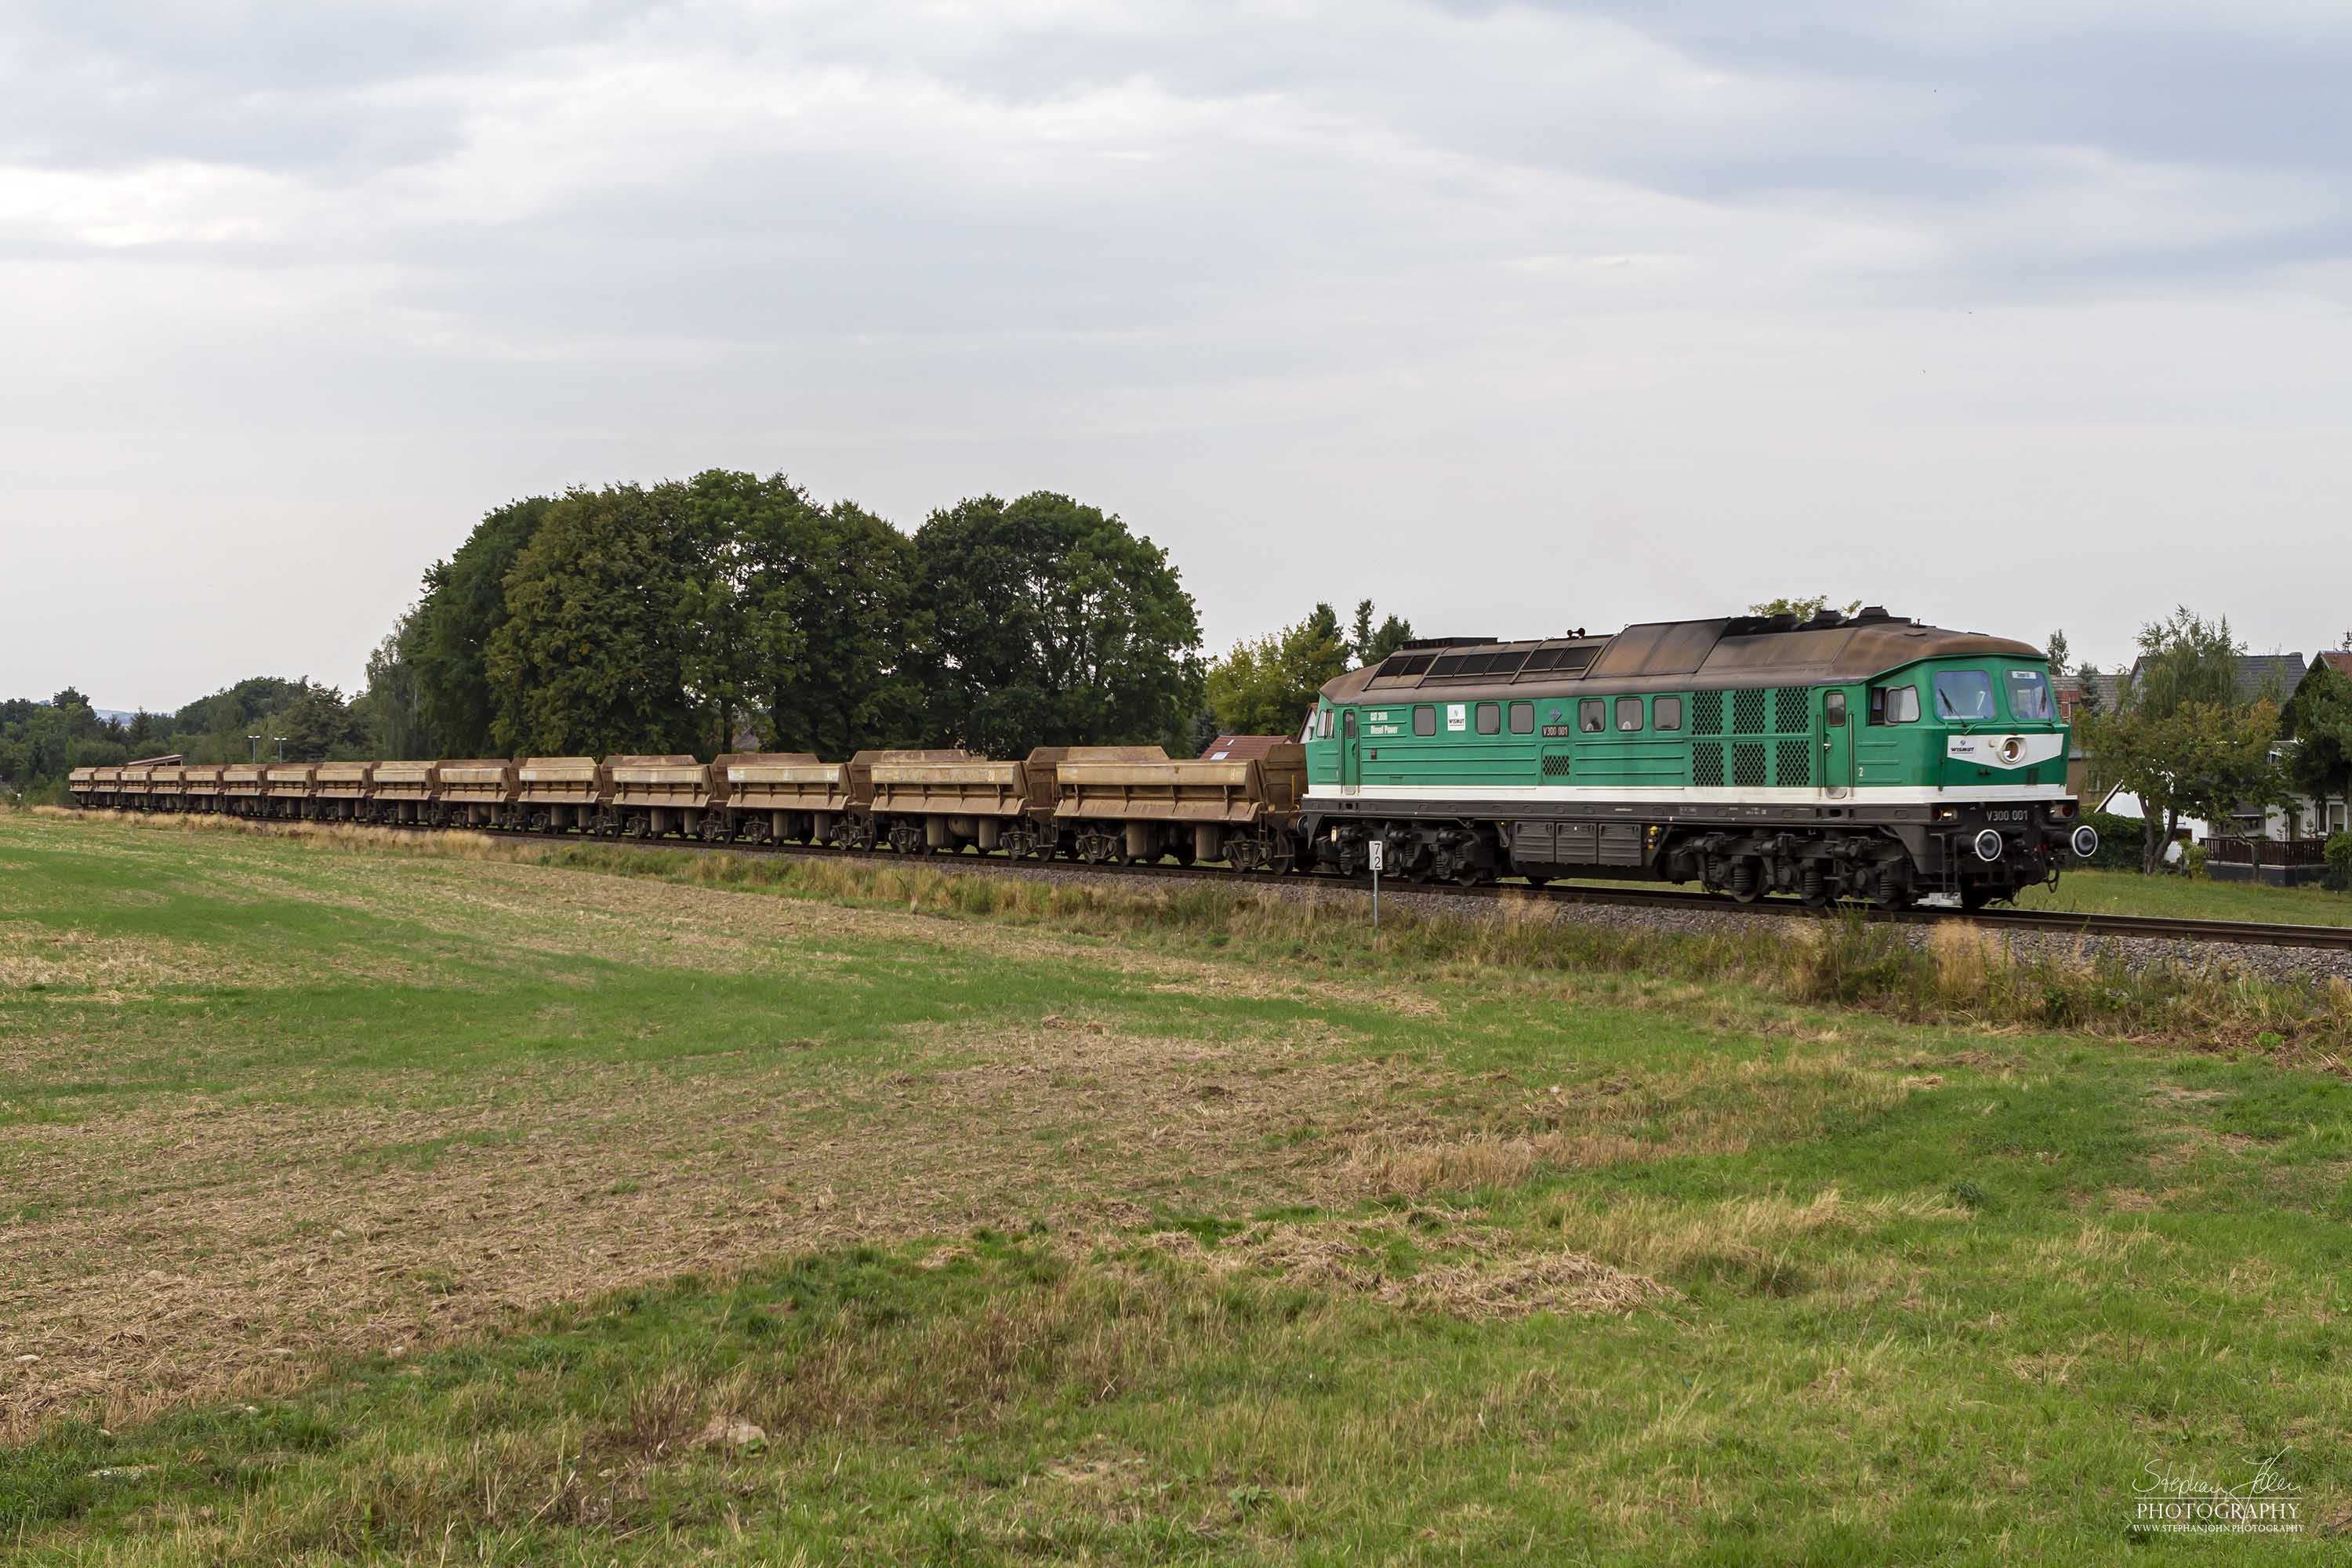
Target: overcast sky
x: 1514, y: 317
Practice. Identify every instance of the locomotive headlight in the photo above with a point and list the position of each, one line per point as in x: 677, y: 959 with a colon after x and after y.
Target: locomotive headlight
x: 1947, y: 812
x: 1989, y: 845
x: 2086, y: 841
x: 2060, y: 810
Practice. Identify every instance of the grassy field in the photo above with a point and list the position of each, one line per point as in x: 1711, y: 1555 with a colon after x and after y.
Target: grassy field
x: 2128, y: 893
x: 362, y: 1202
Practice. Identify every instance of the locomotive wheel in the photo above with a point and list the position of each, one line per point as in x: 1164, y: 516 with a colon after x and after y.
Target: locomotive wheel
x: 1746, y: 881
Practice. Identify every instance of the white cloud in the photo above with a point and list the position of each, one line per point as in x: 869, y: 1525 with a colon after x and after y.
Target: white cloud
x: 1632, y: 313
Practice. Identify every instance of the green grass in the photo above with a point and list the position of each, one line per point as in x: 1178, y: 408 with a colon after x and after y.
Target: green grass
x: 376, y: 1204
x: 2128, y: 893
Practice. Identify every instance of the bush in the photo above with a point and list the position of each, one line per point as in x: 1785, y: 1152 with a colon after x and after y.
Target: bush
x: 2121, y: 840
x: 2192, y: 860
x: 2339, y: 861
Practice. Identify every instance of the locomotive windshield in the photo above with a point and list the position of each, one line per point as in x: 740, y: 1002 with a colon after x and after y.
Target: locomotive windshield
x: 1963, y: 694
x: 2029, y: 696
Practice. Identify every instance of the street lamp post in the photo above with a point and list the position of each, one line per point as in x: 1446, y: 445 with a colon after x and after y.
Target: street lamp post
x: 253, y: 747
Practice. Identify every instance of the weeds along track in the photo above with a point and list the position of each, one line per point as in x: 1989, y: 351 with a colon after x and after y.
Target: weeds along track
x: 2241, y: 933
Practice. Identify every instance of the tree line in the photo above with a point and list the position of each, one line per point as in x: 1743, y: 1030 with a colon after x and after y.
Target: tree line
x: 736, y: 610
x: 729, y: 609
x: 42, y: 742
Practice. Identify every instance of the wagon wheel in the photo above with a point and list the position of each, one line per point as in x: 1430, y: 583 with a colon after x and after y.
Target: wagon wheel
x: 1184, y: 854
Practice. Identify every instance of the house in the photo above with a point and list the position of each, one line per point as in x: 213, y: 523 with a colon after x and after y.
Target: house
x: 2280, y: 844
x: 2318, y: 817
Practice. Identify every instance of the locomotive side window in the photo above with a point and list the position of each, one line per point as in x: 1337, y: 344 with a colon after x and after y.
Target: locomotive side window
x: 1833, y: 710
x: 1523, y: 718
x: 2029, y: 696
x: 1588, y: 716
x: 1323, y: 723
x: 1629, y: 712
x: 1963, y: 694
x: 1349, y: 724
x: 1666, y: 713
x: 1490, y: 717
x: 1424, y: 720
x: 1894, y: 704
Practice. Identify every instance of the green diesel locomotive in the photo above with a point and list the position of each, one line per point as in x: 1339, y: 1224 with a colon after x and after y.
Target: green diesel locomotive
x: 1863, y: 757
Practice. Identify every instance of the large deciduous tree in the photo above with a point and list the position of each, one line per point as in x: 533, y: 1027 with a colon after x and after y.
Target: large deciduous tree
x: 464, y: 607
x: 2179, y: 738
x: 317, y: 725
x: 1264, y: 686
x: 1048, y: 623
x: 829, y: 621
x: 598, y: 646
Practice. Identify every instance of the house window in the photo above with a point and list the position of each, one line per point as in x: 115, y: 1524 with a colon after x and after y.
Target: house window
x: 1589, y: 717
x: 1424, y: 720
x: 1490, y: 717
x: 1629, y: 712
x: 1523, y: 718
x: 1666, y: 713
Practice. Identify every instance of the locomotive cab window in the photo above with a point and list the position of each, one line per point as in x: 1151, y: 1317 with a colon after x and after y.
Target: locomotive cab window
x: 1490, y: 717
x: 1588, y: 716
x: 1666, y: 713
x: 1894, y: 704
x: 1424, y: 720
x: 1963, y: 694
x: 1323, y: 723
x: 1348, y: 725
x: 1629, y: 712
x: 2029, y: 696
x: 1523, y: 718
x: 1833, y: 710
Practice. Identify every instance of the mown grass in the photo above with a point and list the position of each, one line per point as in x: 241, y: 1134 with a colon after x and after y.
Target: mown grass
x: 1032, y: 1223
x: 2183, y: 898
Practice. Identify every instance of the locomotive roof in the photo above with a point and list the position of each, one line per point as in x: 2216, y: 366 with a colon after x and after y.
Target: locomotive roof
x: 1727, y: 653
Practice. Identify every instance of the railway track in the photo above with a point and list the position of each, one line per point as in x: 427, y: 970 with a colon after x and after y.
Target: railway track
x: 2243, y: 933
